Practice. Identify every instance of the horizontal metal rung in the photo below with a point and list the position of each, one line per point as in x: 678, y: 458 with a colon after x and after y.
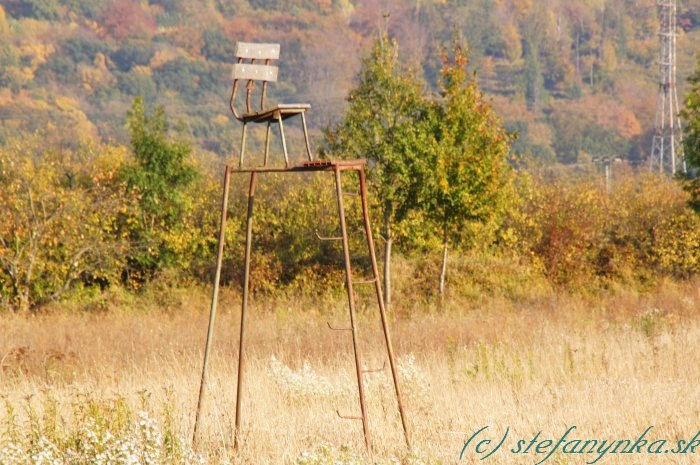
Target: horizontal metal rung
x: 353, y: 194
x: 347, y: 417
x: 322, y: 238
x: 377, y: 370
x: 338, y: 329
x: 370, y: 281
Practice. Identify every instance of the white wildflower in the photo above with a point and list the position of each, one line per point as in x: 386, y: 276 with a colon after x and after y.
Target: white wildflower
x: 12, y: 454
x: 303, y: 383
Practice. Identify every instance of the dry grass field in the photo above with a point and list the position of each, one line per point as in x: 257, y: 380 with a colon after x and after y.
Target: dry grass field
x: 611, y: 366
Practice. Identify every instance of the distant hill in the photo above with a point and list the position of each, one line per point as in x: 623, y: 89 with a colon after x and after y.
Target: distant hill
x: 576, y: 78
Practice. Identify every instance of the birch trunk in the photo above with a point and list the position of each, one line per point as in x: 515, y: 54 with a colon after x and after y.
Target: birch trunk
x: 443, y: 269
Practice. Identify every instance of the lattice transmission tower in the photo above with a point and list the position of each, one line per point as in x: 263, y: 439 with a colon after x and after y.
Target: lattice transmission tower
x: 667, y: 146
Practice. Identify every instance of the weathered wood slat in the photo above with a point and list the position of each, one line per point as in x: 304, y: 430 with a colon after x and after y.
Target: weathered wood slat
x: 258, y: 51
x: 254, y: 72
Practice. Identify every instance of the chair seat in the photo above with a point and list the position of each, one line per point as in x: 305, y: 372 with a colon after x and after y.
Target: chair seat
x: 283, y: 110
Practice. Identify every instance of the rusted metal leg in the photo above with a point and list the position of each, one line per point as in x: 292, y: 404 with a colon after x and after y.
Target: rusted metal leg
x: 242, y: 154
x: 214, y: 301
x: 380, y: 300
x: 267, y: 143
x: 244, y: 306
x: 306, y: 136
x: 351, y: 304
x: 284, y: 141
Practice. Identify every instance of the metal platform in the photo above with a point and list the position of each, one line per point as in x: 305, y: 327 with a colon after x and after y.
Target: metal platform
x: 309, y: 166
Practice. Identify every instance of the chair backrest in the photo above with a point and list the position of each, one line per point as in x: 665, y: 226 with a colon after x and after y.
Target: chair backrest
x: 253, y: 64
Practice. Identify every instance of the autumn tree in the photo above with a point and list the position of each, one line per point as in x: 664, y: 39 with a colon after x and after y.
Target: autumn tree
x: 127, y: 19
x: 691, y: 141
x: 39, y: 9
x: 161, y: 174
x: 4, y: 27
x: 466, y: 169
x: 533, y: 78
x: 382, y: 124
x: 58, y: 221
x: 532, y: 73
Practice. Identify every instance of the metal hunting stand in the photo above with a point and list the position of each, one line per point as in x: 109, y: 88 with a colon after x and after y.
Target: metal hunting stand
x: 252, y: 72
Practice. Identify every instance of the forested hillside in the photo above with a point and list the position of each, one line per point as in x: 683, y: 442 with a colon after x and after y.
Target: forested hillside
x: 575, y: 78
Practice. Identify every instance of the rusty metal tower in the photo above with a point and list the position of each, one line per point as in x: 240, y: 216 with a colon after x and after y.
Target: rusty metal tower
x: 667, y: 146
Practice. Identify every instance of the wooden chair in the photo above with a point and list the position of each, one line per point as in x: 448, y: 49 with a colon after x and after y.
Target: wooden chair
x: 253, y: 64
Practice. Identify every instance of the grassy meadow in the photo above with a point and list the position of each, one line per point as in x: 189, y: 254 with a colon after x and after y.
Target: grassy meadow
x: 571, y: 306
x: 119, y: 384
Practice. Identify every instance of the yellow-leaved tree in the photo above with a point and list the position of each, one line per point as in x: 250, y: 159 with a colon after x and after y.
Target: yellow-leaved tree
x: 58, y: 220
x: 464, y: 175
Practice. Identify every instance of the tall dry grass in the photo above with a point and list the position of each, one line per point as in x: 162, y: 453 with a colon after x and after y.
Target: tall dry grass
x: 611, y: 366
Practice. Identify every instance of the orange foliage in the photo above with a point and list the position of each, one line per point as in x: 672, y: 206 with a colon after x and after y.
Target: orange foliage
x: 324, y: 6
x: 241, y: 28
x: 188, y: 38
x: 4, y: 27
x: 125, y: 18
x: 639, y: 97
x: 602, y: 110
x: 511, y: 109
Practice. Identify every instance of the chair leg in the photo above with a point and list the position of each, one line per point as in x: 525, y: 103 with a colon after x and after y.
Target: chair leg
x: 306, y: 137
x: 267, y: 143
x: 382, y: 307
x: 284, y: 142
x: 214, y: 301
x: 244, y: 307
x: 240, y: 161
x: 351, y: 304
